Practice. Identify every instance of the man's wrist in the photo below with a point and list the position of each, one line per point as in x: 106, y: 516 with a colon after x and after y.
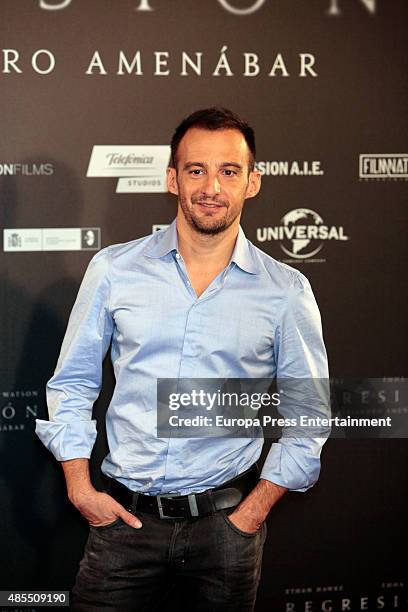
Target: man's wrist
x: 78, y: 495
x: 258, y: 503
x: 78, y: 480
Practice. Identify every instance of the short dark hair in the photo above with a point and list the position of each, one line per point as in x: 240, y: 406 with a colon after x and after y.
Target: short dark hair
x: 214, y: 118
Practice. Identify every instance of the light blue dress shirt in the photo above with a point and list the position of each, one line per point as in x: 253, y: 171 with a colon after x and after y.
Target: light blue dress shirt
x: 257, y: 319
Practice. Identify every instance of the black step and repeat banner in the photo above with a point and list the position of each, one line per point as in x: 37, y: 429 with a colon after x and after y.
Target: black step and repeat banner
x: 91, y: 91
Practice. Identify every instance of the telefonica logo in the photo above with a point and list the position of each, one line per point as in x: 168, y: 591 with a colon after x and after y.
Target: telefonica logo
x: 302, y: 233
x: 120, y: 161
x: 140, y: 168
x: 232, y: 6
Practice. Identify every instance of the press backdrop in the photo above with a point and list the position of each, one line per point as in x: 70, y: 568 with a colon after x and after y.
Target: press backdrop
x: 91, y: 91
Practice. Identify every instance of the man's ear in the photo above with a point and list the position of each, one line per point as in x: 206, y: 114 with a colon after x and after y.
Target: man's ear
x: 172, y: 185
x: 254, y: 184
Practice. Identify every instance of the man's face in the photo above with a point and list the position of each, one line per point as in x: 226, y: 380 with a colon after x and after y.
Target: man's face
x: 212, y: 179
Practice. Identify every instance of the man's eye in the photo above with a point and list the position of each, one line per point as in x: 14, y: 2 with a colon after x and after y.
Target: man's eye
x: 196, y: 171
x: 229, y: 172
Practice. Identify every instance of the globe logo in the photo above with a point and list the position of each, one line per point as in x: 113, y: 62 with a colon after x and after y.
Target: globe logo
x: 301, y: 233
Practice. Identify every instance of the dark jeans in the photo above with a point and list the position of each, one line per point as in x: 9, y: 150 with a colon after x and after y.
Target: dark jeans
x: 206, y: 563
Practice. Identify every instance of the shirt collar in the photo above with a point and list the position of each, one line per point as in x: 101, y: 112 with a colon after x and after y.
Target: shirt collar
x: 242, y: 255
x: 166, y: 241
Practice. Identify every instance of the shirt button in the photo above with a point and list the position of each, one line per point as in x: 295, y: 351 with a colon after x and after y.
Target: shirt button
x: 177, y: 256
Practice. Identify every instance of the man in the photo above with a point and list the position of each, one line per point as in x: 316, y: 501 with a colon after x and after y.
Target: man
x: 195, y: 300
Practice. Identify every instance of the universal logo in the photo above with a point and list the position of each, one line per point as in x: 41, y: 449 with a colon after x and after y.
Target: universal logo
x: 42, y: 169
x: 383, y: 166
x: 229, y: 5
x: 301, y: 235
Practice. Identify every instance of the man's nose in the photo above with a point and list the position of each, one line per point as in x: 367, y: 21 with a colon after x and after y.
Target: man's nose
x: 212, y: 185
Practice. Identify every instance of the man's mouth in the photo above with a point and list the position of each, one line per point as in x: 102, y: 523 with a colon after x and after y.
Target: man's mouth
x: 210, y: 204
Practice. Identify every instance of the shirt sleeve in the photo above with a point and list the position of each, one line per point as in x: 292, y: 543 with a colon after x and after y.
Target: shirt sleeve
x: 71, y: 433
x: 302, y: 373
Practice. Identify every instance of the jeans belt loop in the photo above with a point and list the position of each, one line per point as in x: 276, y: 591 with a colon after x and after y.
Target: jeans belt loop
x: 211, y: 498
x: 134, y: 502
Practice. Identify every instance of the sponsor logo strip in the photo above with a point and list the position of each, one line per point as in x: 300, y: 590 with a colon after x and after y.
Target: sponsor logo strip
x: 52, y: 239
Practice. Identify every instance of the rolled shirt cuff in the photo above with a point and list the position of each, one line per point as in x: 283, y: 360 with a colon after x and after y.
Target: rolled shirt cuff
x: 290, y: 467
x: 67, y: 440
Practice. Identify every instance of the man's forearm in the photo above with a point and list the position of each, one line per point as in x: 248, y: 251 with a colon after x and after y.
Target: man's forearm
x: 254, y: 509
x: 77, y: 477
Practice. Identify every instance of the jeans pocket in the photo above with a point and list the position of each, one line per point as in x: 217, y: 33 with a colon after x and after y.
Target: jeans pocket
x: 230, y: 524
x: 116, y: 522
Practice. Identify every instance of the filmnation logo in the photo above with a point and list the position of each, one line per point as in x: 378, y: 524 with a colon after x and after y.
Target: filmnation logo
x: 302, y: 233
x: 383, y: 166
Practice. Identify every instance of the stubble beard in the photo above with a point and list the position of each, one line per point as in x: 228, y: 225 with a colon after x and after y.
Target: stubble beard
x: 211, y: 227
